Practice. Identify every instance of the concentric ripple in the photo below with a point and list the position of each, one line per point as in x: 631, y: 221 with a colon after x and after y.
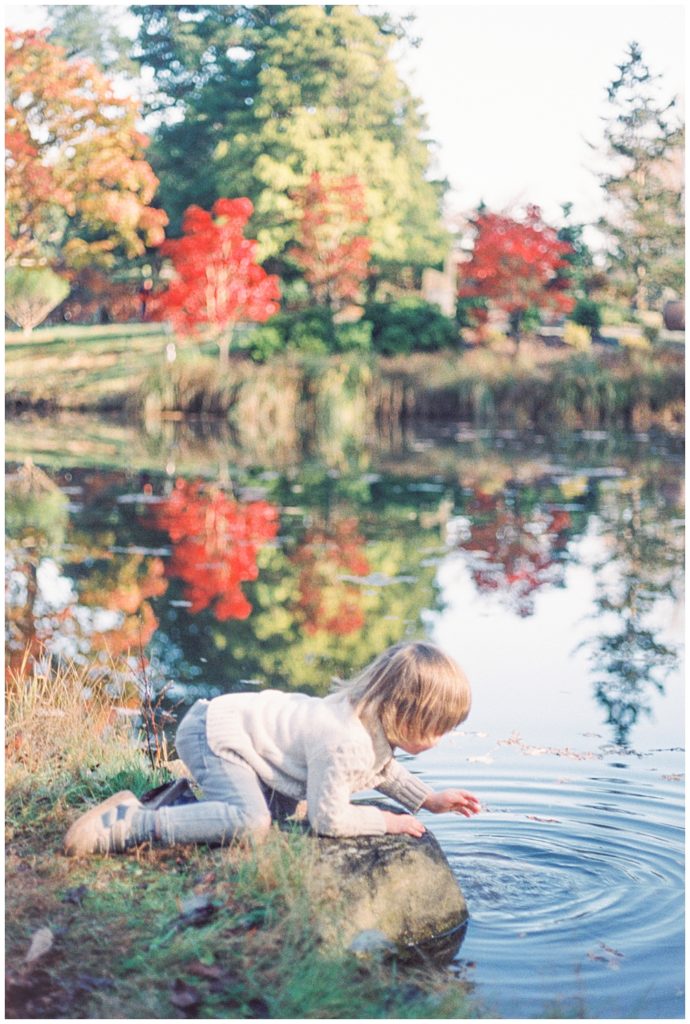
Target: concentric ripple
x: 575, y: 891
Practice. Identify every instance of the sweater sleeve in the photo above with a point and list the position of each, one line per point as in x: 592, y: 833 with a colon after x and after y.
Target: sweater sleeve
x: 331, y: 780
x: 407, y: 789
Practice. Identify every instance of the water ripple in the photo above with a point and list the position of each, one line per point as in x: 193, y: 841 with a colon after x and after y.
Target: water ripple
x: 570, y: 884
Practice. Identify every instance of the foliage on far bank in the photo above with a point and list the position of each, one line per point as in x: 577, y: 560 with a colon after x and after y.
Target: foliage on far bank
x: 517, y: 264
x: 78, y: 189
x: 31, y: 293
x: 114, y: 368
x: 217, y: 280
x: 267, y: 95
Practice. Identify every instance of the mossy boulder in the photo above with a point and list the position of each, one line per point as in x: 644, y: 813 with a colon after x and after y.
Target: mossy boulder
x: 396, y: 885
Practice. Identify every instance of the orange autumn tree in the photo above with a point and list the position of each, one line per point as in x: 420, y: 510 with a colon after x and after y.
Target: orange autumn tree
x: 518, y: 265
x: 217, y: 282
x: 77, y: 187
x: 216, y: 541
x: 331, y: 250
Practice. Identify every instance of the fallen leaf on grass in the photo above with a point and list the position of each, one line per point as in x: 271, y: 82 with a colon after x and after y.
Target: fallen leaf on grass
x: 184, y: 996
x: 41, y: 943
x: 259, y: 1009
x: 75, y: 895
x: 210, y: 971
x: 195, y: 911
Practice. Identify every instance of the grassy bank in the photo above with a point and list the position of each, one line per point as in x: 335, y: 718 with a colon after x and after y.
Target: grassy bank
x: 162, y: 933
x: 125, y: 368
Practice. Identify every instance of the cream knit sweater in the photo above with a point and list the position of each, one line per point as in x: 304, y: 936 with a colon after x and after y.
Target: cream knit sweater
x: 314, y: 747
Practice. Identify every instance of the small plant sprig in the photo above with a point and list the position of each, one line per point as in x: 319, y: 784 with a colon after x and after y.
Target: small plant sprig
x: 154, y: 715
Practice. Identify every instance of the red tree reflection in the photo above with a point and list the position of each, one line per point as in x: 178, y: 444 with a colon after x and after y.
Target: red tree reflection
x: 327, y: 601
x: 518, y: 552
x: 215, y: 545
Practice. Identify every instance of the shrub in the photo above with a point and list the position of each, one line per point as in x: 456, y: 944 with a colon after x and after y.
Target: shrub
x: 494, y: 338
x: 31, y: 293
x: 263, y: 342
x: 471, y: 311
x: 409, y: 325
x: 634, y: 341
x: 652, y: 333
x: 577, y: 336
x: 587, y: 313
x: 354, y: 337
x: 310, y: 331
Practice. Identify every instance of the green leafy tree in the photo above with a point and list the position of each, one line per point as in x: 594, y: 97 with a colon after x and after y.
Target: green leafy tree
x: 265, y: 96
x: 93, y: 32
x: 31, y: 293
x: 644, y: 139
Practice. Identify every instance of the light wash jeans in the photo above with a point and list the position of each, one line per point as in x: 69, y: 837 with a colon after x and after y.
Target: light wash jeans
x: 236, y: 803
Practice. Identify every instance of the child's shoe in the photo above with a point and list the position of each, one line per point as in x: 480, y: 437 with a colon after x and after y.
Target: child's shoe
x: 106, y: 828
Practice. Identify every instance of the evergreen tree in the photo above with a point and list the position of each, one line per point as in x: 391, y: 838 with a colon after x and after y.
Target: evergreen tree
x: 257, y: 99
x: 644, y: 139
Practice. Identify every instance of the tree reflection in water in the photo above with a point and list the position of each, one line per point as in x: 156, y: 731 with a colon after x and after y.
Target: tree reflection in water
x: 215, y: 545
x: 311, y: 572
x: 643, y: 565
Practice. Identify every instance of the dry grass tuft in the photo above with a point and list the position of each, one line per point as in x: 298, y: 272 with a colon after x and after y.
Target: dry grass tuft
x: 60, y: 714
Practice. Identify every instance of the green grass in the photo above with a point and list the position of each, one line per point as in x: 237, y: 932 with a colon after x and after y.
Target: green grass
x: 80, y: 367
x: 124, y: 945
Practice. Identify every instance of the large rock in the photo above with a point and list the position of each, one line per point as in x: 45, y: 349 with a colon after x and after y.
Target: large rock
x: 398, y: 886
x: 370, y: 893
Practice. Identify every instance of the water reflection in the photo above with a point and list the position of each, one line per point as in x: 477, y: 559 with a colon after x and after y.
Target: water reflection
x: 287, y: 576
x: 643, y: 564
x: 215, y: 542
x: 517, y: 538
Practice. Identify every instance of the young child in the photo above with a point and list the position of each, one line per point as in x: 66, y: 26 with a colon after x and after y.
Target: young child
x: 256, y: 754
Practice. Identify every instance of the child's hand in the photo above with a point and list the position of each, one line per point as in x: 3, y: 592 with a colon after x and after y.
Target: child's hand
x: 403, y: 824
x: 459, y: 801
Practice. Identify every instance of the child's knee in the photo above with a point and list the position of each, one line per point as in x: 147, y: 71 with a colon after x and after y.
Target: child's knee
x: 254, y: 826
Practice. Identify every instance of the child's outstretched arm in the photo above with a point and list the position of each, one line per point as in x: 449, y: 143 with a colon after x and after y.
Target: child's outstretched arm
x: 458, y: 801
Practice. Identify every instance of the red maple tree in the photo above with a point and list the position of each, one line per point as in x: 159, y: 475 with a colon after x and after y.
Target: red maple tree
x: 217, y: 279
x: 331, y: 250
x: 518, y: 265
x: 215, y: 545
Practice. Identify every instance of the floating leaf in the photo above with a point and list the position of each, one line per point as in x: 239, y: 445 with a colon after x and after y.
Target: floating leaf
x: 41, y: 943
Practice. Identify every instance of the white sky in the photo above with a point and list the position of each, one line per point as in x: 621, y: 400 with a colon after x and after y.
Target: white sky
x: 513, y: 93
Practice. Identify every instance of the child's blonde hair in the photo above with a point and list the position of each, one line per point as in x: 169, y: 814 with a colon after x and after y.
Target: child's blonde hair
x: 415, y: 690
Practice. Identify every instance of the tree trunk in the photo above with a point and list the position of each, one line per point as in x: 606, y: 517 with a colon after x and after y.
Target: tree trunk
x: 515, y: 321
x: 224, y: 345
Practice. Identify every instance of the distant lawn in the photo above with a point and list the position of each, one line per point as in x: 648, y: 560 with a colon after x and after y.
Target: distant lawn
x: 94, y: 366
x: 124, y: 367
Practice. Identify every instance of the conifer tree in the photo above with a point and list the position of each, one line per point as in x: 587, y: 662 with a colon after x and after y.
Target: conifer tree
x: 645, y: 225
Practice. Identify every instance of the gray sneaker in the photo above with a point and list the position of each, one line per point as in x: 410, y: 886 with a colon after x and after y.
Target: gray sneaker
x: 106, y: 828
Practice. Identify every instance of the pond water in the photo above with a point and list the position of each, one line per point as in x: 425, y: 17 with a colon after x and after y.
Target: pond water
x: 551, y: 568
